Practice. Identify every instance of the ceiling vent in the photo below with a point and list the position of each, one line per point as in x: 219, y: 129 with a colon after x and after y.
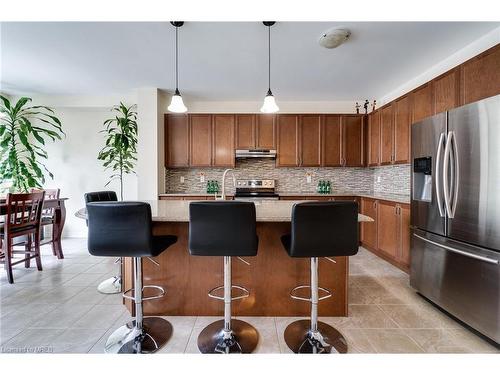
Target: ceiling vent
x: 334, y: 37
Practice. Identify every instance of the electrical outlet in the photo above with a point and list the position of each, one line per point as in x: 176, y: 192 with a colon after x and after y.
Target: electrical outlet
x: 308, y: 178
x: 182, y: 179
x: 202, y: 177
x: 378, y: 178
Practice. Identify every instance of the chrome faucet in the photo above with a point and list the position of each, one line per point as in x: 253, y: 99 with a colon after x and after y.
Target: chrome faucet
x: 223, y: 189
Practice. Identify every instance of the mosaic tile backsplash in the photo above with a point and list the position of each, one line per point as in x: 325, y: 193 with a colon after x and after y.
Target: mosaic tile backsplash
x: 389, y: 179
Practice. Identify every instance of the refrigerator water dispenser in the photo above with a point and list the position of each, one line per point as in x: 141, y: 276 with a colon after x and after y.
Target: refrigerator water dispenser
x: 422, y: 179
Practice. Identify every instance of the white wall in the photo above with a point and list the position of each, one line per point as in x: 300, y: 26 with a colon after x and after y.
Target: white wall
x: 73, y: 161
x: 473, y: 49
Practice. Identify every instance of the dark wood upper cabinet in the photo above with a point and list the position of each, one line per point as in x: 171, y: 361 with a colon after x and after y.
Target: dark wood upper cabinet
x: 176, y: 141
x: 265, y: 131
x: 201, y: 140
x: 402, y: 123
x: 374, y: 138
x: 223, y: 141
x: 446, y: 91
x: 352, y: 134
x: 245, y: 132
x: 386, y: 134
x: 288, y: 141
x: 310, y: 140
x: 481, y: 76
x: 422, y: 103
x: 332, y: 141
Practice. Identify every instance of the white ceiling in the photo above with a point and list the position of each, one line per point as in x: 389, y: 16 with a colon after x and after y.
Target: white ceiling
x: 225, y: 60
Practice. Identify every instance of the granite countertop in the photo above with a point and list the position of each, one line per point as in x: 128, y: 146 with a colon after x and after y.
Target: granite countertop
x: 266, y: 211
x: 399, y: 198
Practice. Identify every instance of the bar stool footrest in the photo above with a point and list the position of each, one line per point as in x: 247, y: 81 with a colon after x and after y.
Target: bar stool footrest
x: 127, y: 295
x: 300, y: 287
x: 245, y: 294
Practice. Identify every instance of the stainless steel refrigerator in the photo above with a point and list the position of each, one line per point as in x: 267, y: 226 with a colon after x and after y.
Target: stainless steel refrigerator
x: 455, y: 213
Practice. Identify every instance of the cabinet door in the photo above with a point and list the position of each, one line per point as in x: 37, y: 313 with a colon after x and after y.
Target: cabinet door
x: 446, y: 91
x: 310, y: 140
x: 387, y: 229
x: 369, y: 229
x: 288, y: 141
x: 404, y: 216
x: 402, y: 130
x: 245, y: 132
x: 422, y: 103
x: 223, y: 141
x: 374, y: 138
x: 332, y: 141
x: 481, y: 76
x: 176, y: 141
x: 201, y: 140
x: 386, y: 134
x: 266, y: 131
x: 352, y: 129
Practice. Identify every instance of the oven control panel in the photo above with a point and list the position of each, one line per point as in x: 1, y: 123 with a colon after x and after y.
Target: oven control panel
x: 249, y: 184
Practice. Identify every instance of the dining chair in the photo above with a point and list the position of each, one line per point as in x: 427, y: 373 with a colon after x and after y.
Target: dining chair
x: 22, y: 219
x: 49, y: 215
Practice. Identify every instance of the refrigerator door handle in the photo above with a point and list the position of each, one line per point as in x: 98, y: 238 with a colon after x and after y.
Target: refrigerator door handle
x: 461, y: 252
x: 437, y: 178
x: 446, y: 183
x: 456, y: 169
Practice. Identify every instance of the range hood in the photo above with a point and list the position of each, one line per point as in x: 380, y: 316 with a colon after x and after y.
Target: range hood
x: 256, y: 153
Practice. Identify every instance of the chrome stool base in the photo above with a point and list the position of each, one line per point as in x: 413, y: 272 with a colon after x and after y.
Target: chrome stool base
x: 300, y: 338
x: 113, y: 285
x: 128, y: 339
x: 242, y: 338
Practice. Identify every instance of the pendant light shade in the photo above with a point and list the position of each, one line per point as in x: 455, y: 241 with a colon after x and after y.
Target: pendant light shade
x: 177, y: 105
x: 269, y: 105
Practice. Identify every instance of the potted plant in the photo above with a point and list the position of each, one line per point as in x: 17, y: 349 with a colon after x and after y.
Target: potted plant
x: 120, y: 150
x: 24, y: 129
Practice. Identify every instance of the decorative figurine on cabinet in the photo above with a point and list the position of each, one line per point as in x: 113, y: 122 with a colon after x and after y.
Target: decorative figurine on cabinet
x: 365, y: 106
x: 357, y: 108
x: 374, y: 105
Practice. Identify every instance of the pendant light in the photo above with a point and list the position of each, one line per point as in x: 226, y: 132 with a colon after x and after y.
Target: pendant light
x: 177, y: 105
x: 269, y: 105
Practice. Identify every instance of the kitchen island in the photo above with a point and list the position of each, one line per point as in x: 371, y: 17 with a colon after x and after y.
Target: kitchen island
x: 270, y: 276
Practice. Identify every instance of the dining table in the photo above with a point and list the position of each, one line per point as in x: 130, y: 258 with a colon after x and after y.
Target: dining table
x: 58, y: 205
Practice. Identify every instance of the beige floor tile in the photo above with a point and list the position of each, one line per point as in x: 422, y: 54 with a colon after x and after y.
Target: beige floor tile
x: 391, y: 341
x: 418, y: 316
x: 63, y: 316
x: 76, y: 340
x: 372, y: 296
x: 362, y: 316
x: 100, y: 317
x: 182, y: 329
x: 32, y: 340
x: 436, y: 340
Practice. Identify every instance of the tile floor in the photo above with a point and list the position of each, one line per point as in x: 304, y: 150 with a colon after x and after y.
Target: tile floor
x: 59, y: 310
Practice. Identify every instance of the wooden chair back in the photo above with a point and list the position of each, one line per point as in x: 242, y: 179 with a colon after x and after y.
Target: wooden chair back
x: 24, y: 211
x: 49, y: 194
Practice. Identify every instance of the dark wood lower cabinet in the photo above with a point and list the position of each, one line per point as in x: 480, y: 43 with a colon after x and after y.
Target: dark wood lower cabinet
x: 369, y: 230
x: 389, y: 236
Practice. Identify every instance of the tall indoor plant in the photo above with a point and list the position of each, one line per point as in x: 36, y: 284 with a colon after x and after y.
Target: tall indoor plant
x: 120, y: 150
x: 24, y: 129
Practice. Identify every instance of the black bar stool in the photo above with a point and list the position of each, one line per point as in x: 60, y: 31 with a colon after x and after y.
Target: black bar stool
x: 319, y: 230
x: 113, y: 285
x: 124, y: 229
x: 227, y: 229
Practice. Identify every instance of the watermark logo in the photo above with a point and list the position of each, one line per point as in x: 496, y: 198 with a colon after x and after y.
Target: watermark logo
x: 27, y: 349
